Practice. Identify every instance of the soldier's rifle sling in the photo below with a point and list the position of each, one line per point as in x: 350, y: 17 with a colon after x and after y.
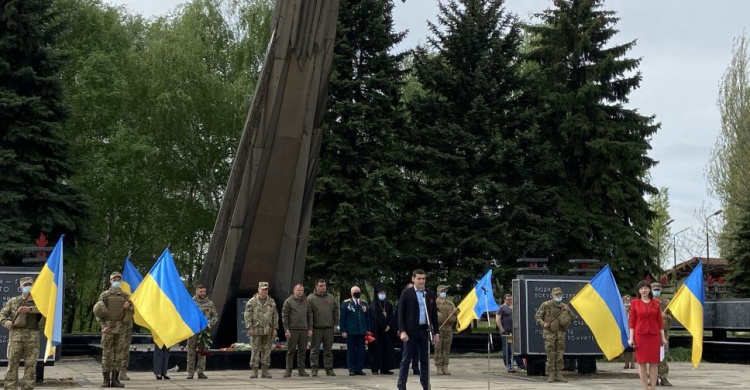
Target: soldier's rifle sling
x: 22, y: 304
x: 447, y: 319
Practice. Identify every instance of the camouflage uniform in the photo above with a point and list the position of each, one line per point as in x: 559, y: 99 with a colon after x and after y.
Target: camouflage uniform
x: 195, y: 361
x: 125, y: 358
x: 23, y: 341
x: 443, y: 348
x: 555, y: 314
x: 262, y: 319
x: 110, y: 313
x: 666, y: 318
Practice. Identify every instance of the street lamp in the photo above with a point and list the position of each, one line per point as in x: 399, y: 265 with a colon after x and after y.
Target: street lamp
x: 674, y: 246
x: 708, y: 258
x: 658, y: 242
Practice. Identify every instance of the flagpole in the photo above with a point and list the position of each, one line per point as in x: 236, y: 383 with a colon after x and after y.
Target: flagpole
x: 489, y: 338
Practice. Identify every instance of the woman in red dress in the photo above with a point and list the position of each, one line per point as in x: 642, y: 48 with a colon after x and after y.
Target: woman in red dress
x: 646, y: 334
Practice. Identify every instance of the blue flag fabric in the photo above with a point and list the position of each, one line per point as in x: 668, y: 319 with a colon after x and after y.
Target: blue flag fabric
x: 131, y: 278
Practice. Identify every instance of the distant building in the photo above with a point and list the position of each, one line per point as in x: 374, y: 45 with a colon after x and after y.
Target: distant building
x: 715, y: 272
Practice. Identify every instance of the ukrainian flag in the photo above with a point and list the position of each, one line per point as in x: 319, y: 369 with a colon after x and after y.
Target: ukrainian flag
x: 131, y: 278
x: 600, y: 305
x: 47, y: 292
x: 687, y: 307
x: 166, y: 306
x: 477, y: 302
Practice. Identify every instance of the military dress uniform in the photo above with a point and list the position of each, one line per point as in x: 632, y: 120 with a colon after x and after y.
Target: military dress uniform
x: 355, y: 322
x: 447, y: 318
x: 666, y: 318
x: 23, y: 340
x: 559, y: 317
x: 110, y: 312
x: 195, y: 361
x: 262, y: 319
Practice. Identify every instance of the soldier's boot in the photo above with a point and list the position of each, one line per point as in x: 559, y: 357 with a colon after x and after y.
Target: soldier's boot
x: 191, y: 375
x: 329, y: 372
x: 107, y: 381
x: 445, y: 370
x: 287, y: 374
x: 265, y: 373
x: 116, y: 380
x: 302, y: 372
x: 551, y: 377
x: 254, y: 374
x: 124, y: 376
x: 664, y: 382
x: 559, y: 377
x: 202, y: 376
x: 314, y: 372
x: 439, y: 369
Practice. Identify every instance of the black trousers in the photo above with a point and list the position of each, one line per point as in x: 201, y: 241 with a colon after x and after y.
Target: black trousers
x: 381, y: 352
x: 418, y: 344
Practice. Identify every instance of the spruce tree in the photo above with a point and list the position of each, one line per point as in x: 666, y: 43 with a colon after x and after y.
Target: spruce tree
x: 583, y: 83
x: 738, y: 275
x: 476, y: 157
x: 356, y: 208
x: 35, y: 191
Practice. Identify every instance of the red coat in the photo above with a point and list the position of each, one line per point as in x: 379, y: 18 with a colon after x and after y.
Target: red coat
x: 645, y: 318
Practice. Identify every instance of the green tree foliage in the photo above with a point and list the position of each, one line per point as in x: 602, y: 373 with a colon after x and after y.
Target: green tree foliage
x: 738, y: 270
x: 583, y: 83
x: 36, y: 194
x: 157, y: 108
x: 356, y: 212
x: 476, y: 157
x: 659, y: 232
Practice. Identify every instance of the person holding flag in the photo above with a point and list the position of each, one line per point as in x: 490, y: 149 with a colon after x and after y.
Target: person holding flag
x: 114, y: 312
x: 554, y: 317
x: 24, y: 321
x: 131, y: 279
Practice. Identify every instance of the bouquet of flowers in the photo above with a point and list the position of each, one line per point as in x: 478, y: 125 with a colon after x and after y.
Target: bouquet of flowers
x: 369, y: 337
x: 204, y: 342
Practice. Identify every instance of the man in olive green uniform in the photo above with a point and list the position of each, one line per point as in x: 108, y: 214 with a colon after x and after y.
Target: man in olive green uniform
x: 554, y: 317
x: 667, y: 319
x: 261, y: 323
x: 446, y: 318
x: 195, y: 361
x: 114, y: 312
x: 24, y: 321
x: 296, y: 316
x: 325, y: 309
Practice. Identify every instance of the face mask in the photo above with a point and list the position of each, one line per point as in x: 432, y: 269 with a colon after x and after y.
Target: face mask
x: 657, y: 293
x: 443, y: 295
x: 26, y: 289
x: 116, y: 284
x: 381, y: 297
x: 558, y: 299
x: 357, y: 295
x: 627, y: 305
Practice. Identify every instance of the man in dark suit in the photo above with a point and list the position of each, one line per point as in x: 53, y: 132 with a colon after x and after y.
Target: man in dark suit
x: 417, y: 314
x: 354, y: 322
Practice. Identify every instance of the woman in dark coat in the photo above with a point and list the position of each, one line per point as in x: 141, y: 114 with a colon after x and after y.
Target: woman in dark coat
x: 383, y: 317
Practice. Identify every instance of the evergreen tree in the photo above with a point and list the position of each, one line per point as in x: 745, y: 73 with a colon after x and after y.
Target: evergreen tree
x: 583, y: 85
x: 477, y: 158
x: 36, y: 194
x: 356, y: 203
x: 738, y: 275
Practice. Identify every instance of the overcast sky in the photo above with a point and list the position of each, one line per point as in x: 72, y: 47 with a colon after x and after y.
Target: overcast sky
x: 686, y: 46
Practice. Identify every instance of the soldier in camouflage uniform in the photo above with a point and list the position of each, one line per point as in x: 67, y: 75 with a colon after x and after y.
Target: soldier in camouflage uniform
x: 195, y: 361
x: 261, y: 322
x: 666, y: 318
x: 446, y: 319
x: 114, y: 312
x: 125, y: 358
x: 554, y: 317
x: 25, y: 323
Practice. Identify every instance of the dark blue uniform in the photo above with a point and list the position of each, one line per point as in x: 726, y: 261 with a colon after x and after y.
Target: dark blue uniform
x: 355, y: 322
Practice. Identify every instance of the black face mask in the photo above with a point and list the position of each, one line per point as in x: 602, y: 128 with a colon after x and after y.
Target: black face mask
x: 357, y: 295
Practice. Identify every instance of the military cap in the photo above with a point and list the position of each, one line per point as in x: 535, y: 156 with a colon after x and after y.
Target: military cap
x: 655, y: 285
x: 115, y: 275
x: 442, y: 287
x: 556, y: 290
x: 27, y: 279
x: 262, y: 285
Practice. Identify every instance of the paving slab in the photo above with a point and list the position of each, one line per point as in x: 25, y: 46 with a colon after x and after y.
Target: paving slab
x: 467, y: 374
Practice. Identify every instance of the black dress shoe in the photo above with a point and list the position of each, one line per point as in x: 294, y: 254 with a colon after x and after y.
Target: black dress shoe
x: 158, y: 377
x: 166, y: 377
x: 360, y: 373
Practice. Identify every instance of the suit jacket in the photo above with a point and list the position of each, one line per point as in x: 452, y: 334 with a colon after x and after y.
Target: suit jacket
x: 408, y: 311
x: 645, y: 318
x: 354, y: 319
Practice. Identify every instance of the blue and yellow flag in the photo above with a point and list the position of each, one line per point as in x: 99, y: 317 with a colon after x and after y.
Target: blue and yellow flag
x: 165, y: 305
x: 48, y: 292
x: 477, y: 302
x: 687, y: 307
x: 131, y: 278
x: 600, y: 305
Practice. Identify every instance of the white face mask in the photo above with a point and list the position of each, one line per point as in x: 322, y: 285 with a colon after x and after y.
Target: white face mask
x: 381, y: 296
x: 657, y: 293
x: 443, y: 294
x: 116, y: 284
x: 26, y: 289
x: 558, y: 299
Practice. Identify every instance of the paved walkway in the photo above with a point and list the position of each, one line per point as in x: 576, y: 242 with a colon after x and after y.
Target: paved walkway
x: 468, y: 374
